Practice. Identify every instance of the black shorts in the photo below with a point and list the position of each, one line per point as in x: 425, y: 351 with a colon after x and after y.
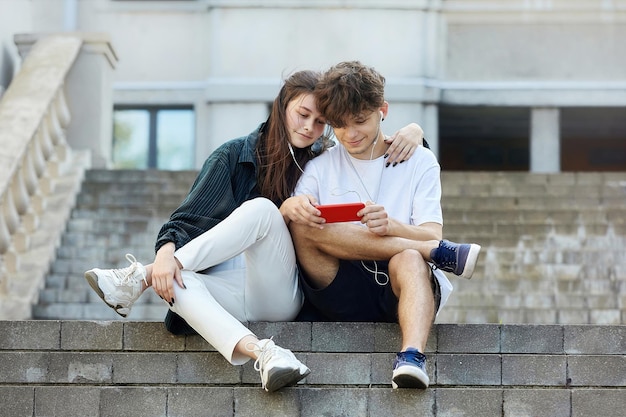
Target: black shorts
x: 355, y: 295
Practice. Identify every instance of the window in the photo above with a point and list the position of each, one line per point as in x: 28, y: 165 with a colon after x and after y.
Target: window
x: 593, y: 139
x: 150, y: 137
x: 482, y: 138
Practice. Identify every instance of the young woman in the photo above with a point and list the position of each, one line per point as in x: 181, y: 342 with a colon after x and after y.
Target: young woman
x: 226, y: 256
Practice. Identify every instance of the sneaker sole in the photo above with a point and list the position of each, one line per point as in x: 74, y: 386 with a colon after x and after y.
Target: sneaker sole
x: 414, y: 378
x: 283, y: 377
x: 92, y: 279
x: 470, y: 262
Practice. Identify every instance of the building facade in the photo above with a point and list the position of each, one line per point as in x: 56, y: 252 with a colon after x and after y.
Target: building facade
x: 528, y: 85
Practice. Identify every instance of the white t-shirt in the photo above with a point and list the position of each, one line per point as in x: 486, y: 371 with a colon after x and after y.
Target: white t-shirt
x: 410, y: 191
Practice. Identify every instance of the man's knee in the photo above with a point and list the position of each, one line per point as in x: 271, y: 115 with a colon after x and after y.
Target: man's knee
x: 407, y: 268
x: 408, y: 259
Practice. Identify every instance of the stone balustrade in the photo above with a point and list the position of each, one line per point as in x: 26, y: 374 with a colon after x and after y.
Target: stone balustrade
x: 33, y: 153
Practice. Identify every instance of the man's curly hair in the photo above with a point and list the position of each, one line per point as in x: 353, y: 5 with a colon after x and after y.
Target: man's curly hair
x: 348, y: 90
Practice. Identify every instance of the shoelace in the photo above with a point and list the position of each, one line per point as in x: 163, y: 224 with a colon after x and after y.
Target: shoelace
x: 446, y: 257
x: 124, y: 275
x: 265, y: 354
x: 412, y: 356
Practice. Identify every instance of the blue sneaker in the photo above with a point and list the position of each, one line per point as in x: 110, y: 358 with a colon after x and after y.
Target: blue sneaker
x: 458, y: 258
x: 409, y: 370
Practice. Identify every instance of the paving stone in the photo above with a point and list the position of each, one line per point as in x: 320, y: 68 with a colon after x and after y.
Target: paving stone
x: 206, y: 368
x: 472, y: 402
x: 545, y: 370
x: 382, y: 367
x: 468, y: 338
x: 23, y: 367
x: 536, y: 402
x: 386, y: 402
x: 479, y: 369
x: 250, y: 401
x: 67, y: 401
x: 17, y: 401
x: 595, y: 339
x: 150, y: 337
x: 144, y: 368
x: 133, y: 401
x: 597, y: 402
x: 197, y: 343
x: 30, y: 334
x: 342, y: 337
x: 200, y: 402
x: 597, y: 370
x: 293, y: 336
x: 347, y: 402
x: 80, y: 368
x: 91, y: 335
x: 532, y: 339
x: 339, y: 368
x: 387, y: 337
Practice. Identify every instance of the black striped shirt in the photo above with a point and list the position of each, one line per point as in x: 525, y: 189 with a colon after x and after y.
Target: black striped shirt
x: 227, y: 179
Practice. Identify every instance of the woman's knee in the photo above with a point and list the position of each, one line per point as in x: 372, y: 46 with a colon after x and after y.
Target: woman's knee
x: 263, y: 210
x: 259, y: 205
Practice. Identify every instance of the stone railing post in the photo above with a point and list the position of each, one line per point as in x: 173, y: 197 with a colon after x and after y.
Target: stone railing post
x: 36, y: 159
x: 89, y: 94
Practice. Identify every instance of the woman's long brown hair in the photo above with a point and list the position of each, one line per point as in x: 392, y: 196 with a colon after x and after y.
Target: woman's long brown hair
x: 277, y: 173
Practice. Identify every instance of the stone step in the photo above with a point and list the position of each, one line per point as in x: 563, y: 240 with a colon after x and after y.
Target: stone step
x: 516, y: 178
x: 78, y: 368
x: 536, y: 243
x: 190, y: 401
x: 590, y: 280
x: 540, y: 202
x: 133, y: 176
x: 467, y: 187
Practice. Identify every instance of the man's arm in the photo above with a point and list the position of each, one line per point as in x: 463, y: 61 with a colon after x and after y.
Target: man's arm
x: 377, y: 220
x: 426, y: 218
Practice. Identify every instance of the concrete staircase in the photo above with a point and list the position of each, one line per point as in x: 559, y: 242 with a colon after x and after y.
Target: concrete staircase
x: 538, y: 331
x: 117, y: 212
x: 136, y: 369
x: 553, y: 244
x: 553, y: 247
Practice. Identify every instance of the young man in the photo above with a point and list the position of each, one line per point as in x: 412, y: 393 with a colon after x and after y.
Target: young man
x: 377, y: 270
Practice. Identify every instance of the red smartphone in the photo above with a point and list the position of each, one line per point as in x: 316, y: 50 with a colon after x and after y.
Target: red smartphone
x: 334, y: 213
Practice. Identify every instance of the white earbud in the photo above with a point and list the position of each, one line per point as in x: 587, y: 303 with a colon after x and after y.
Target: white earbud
x: 293, y: 156
x: 382, y: 116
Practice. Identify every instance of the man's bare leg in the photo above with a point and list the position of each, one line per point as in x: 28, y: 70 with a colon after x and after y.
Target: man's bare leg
x: 410, y: 281
x: 410, y: 278
x: 319, y: 250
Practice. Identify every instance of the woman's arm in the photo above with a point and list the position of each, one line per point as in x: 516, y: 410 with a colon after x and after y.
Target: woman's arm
x: 403, y: 143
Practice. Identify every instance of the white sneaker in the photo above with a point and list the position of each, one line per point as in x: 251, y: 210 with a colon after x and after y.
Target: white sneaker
x: 118, y: 288
x: 278, y: 367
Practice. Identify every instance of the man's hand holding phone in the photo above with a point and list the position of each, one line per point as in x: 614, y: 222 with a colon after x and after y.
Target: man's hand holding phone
x: 335, y: 213
x: 377, y: 220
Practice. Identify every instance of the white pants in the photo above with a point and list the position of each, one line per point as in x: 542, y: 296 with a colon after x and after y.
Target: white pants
x: 249, y: 273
